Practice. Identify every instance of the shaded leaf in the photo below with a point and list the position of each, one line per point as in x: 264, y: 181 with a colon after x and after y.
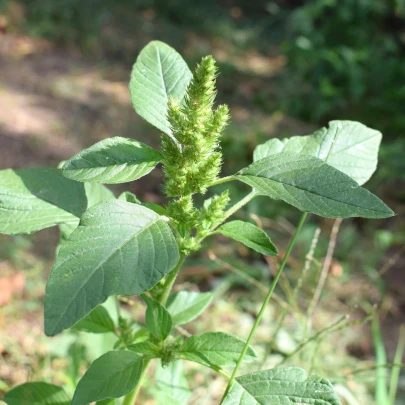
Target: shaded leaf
x: 158, y: 319
x: 145, y: 348
x: 281, y: 386
x: 158, y: 73
x: 215, y: 349
x: 96, y: 193
x: 36, y: 393
x: 185, y: 306
x: 34, y: 199
x: 250, y: 235
x: 171, y: 384
x: 112, y: 375
x: 97, y: 321
x: 311, y: 185
x: 111, y: 161
x: 129, y: 197
x: 119, y: 249
x: 348, y: 146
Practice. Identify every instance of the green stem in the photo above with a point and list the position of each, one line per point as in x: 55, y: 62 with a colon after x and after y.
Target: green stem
x: 265, y: 302
x: 222, y: 180
x: 240, y: 204
x: 397, y: 369
x: 170, y: 279
x: 130, y: 398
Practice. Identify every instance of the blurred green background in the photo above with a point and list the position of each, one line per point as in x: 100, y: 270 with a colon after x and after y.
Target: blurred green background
x: 286, y: 68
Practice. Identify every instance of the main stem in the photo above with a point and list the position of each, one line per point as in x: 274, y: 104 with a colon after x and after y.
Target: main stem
x: 130, y: 398
x: 264, y: 305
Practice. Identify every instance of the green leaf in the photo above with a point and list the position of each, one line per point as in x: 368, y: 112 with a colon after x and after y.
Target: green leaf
x: 112, y: 375
x: 185, y: 306
x: 158, y: 73
x: 155, y: 207
x: 250, y: 235
x: 146, y: 349
x: 215, y: 349
x: 311, y: 185
x: 96, y: 193
x: 158, y: 319
x: 106, y: 402
x: 119, y: 249
x: 129, y: 197
x: 171, y: 384
x: 34, y: 199
x: 348, y: 146
x: 111, y: 161
x: 281, y: 386
x: 97, y: 321
x: 36, y: 393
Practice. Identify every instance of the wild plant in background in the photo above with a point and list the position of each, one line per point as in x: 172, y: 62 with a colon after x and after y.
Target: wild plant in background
x: 123, y: 247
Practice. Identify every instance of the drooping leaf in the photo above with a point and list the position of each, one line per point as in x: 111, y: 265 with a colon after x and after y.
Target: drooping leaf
x: 185, y: 306
x: 129, y: 197
x: 348, y: 146
x: 171, y: 384
x: 155, y: 207
x: 112, y: 375
x: 311, y: 185
x: 159, y: 72
x: 106, y: 402
x: 215, y: 349
x: 34, y: 199
x: 158, y: 319
x: 281, y: 386
x: 119, y: 249
x: 96, y: 193
x: 36, y: 393
x: 145, y: 348
x: 250, y: 235
x: 111, y: 161
x: 97, y: 321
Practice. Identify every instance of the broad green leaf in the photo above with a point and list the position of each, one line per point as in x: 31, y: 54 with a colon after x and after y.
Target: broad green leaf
x: 250, y: 235
x: 106, y: 402
x: 97, y: 321
x: 215, y: 349
x: 112, y: 375
x: 158, y: 73
x: 36, y: 393
x: 171, y: 384
x: 185, y: 306
x: 281, y: 386
x: 119, y: 249
x: 34, y: 199
x: 111, y: 161
x: 348, y: 146
x: 311, y: 185
x: 158, y: 320
x: 145, y: 348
